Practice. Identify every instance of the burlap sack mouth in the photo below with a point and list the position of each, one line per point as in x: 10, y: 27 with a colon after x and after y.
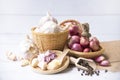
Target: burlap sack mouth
x: 50, y: 41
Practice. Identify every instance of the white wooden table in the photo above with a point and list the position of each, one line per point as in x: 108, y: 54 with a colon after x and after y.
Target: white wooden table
x: 9, y: 70
x: 17, y: 18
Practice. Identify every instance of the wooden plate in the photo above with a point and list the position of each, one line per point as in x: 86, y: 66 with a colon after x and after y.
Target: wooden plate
x: 63, y: 67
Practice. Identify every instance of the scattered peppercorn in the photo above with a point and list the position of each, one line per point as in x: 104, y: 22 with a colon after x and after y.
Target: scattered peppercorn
x: 90, y: 71
x: 82, y: 74
x: 78, y: 69
x: 106, y: 71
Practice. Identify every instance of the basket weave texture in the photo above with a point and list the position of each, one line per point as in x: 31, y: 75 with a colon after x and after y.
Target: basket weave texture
x: 52, y: 41
x: 85, y: 54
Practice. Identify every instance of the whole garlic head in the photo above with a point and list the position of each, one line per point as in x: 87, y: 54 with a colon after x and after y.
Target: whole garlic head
x: 28, y: 48
x: 48, y: 24
x: 46, y: 18
x: 50, y: 27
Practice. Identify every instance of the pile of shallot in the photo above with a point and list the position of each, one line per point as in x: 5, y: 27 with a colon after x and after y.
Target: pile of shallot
x: 102, y: 60
x: 82, y: 43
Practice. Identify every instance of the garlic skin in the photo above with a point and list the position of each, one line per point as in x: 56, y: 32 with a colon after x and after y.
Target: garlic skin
x: 41, y: 57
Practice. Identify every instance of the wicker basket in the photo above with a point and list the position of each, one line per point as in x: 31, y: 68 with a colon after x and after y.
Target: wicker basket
x: 76, y: 53
x: 71, y: 23
x: 50, y: 41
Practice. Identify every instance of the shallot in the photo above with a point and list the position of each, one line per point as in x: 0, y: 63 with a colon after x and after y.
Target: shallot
x: 94, y: 46
x: 99, y: 59
x: 75, y: 39
x: 87, y: 50
x: 95, y: 39
x: 77, y: 47
x: 73, y: 30
x: 84, y: 41
x: 72, y: 40
x: 105, y: 63
x: 70, y: 43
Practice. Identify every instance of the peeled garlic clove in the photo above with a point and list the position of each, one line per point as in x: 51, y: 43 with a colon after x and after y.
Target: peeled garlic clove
x: 105, y: 63
x: 35, y: 62
x: 24, y: 63
x: 42, y: 65
x: 11, y: 56
x: 54, y: 64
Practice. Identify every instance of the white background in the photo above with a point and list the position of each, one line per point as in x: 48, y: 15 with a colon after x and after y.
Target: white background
x: 18, y: 16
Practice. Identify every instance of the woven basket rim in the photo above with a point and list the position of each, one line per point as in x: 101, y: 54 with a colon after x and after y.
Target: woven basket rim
x: 86, y: 54
x: 66, y: 31
x: 70, y: 20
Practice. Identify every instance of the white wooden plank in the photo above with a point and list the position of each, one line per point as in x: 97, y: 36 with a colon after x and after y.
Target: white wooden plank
x: 98, y: 24
x: 60, y: 7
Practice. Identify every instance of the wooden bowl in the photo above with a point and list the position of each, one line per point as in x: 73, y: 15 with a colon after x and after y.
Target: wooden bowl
x: 85, y: 54
x: 64, y: 65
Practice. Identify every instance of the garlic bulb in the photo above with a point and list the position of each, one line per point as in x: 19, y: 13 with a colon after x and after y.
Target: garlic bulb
x: 46, y: 18
x: 48, y: 24
x: 28, y: 48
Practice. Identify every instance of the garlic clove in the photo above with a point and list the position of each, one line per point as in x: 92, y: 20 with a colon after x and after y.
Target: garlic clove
x: 24, y: 62
x: 11, y: 56
x: 54, y: 64
x: 35, y: 62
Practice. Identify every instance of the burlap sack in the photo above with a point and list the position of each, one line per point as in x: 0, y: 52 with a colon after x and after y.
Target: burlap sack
x: 112, y: 51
